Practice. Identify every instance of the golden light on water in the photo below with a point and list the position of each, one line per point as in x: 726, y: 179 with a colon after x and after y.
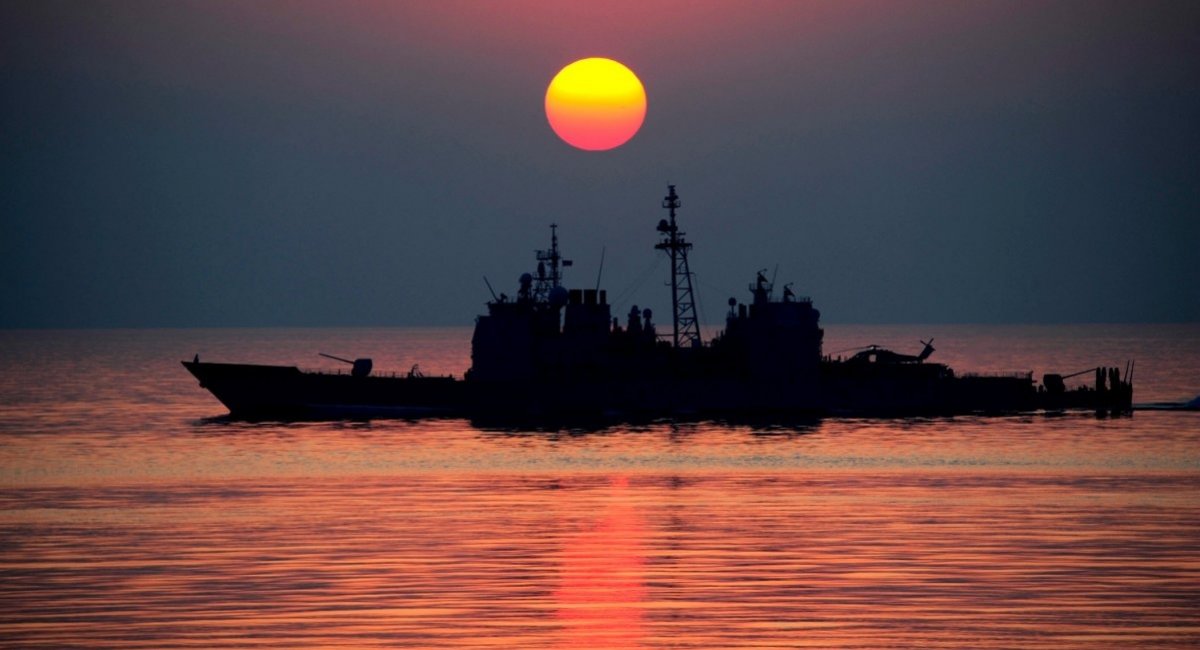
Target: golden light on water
x: 596, y: 104
x: 602, y: 593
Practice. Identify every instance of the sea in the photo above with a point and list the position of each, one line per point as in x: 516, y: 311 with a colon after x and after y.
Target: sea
x: 133, y: 514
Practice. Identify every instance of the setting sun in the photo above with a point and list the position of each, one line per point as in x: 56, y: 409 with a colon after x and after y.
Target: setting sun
x: 595, y: 104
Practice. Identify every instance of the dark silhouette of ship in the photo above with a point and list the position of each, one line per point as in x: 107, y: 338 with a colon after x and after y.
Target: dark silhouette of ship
x: 553, y: 352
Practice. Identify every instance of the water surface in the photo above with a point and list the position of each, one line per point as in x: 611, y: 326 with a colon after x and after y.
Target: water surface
x: 133, y: 515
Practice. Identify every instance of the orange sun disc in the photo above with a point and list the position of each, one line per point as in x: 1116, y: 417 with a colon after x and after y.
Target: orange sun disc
x: 595, y: 104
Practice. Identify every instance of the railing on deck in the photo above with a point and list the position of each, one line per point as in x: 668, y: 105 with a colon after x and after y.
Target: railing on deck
x: 392, y: 375
x: 1003, y: 374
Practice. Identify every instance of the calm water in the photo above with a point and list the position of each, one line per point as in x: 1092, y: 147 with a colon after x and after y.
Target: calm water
x: 132, y: 517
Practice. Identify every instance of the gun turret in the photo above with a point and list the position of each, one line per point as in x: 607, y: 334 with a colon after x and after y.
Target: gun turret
x: 358, y: 367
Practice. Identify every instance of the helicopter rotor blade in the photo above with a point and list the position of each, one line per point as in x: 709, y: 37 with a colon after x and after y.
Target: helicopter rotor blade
x: 857, y: 347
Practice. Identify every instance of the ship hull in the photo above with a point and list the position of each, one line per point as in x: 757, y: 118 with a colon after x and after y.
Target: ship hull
x: 284, y: 392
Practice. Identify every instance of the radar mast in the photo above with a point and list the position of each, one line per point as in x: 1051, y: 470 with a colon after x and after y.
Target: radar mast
x: 685, y: 327
x: 549, y: 268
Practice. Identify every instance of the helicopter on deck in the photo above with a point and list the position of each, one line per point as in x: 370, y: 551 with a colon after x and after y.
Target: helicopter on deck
x: 878, y: 354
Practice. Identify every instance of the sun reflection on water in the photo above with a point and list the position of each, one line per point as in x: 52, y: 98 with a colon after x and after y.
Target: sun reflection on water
x: 602, y: 587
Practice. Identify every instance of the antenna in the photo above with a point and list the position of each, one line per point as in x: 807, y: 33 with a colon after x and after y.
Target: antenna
x: 489, y: 286
x: 685, y: 326
x: 601, y: 271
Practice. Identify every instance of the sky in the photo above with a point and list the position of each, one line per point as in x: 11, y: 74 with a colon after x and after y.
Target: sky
x: 201, y: 164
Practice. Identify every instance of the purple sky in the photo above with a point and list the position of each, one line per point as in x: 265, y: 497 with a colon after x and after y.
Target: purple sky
x: 320, y: 163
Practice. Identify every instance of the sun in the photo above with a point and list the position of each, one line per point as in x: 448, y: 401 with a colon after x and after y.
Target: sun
x: 595, y: 104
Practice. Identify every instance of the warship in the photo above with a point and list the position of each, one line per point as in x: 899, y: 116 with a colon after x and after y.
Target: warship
x: 551, y: 352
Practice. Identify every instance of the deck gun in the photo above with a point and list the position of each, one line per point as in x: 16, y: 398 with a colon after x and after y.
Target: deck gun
x: 1055, y: 383
x: 358, y: 367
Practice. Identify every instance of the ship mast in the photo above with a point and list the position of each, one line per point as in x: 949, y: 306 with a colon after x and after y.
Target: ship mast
x: 548, y: 278
x: 685, y: 327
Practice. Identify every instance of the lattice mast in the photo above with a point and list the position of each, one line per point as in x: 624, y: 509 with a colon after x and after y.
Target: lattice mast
x: 685, y: 327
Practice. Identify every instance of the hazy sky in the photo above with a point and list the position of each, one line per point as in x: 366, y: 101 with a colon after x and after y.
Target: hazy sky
x: 345, y: 163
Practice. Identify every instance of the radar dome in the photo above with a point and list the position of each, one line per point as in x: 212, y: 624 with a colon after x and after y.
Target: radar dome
x: 558, y: 296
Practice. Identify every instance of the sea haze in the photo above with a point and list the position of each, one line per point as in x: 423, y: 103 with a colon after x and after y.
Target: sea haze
x: 133, y: 515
